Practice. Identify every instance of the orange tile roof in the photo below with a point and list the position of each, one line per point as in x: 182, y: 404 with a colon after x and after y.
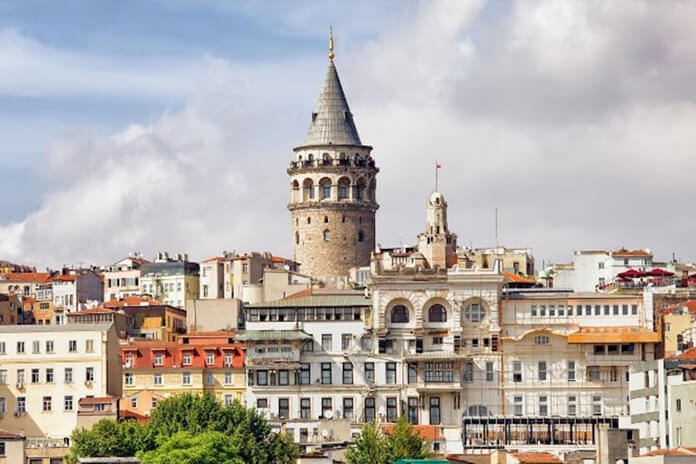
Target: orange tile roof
x: 518, y: 278
x: 65, y: 278
x: 300, y: 294
x: 617, y: 334
x: 98, y: 310
x: 687, y: 355
x: 4, y: 434
x: 427, y: 432
x: 131, y: 301
x: 98, y: 400
x: 217, y: 259
x: 630, y: 253
x: 690, y: 306
x: 537, y: 458
x: 672, y: 452
x: 278, y: 259
x: 40, y: 277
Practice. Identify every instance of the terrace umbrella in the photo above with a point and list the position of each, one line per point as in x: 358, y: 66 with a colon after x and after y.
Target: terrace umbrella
x: 631, y: 274
x: 657, y: 272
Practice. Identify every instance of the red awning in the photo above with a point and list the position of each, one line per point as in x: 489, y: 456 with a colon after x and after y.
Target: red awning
x: 632, y: 274
x: 657, y: 272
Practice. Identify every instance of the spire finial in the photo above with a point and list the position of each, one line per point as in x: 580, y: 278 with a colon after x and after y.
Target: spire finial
x: 331, y: 44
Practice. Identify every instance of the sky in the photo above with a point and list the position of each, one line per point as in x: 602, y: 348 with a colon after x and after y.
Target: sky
x: 169, y: 124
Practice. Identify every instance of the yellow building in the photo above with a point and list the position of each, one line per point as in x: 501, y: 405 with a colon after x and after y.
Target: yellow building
x: 678, y: 322
x: 209, y: 362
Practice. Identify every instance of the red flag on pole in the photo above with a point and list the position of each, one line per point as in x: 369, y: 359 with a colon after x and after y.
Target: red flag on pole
x: 438, y: 165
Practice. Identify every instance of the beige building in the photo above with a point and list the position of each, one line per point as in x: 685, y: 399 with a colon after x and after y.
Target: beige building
x: 11, y: 448
x: 10, y: 309
x: 518, y: 261
x: 46, y: 370
x: 171, y: 280
x: 275, y: 285
x: 212, y: 278
x: 218, y: 314
x: 122, y: 279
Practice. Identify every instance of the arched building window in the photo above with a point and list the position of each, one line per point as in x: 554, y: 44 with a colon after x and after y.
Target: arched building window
x: 307, y: 190
x: 325, y: 188
x: 437, y: 313
x: 343, y: 187
x: 399, y: 314
x: 327, y: 235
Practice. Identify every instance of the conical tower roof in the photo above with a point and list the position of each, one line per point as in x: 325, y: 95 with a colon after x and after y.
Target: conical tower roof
x: 332, y: 123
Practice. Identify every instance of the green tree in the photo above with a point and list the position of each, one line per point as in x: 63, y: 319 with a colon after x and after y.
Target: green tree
x: 109, y: 438
x: 404, y: 443
x: 369, y: 447
x: 187, y: 448
x: 374, y: 447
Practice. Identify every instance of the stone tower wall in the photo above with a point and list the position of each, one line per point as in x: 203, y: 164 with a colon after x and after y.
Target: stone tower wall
x: 333, y: 258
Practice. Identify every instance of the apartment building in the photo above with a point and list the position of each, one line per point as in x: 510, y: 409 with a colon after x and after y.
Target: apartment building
x: 171, y: 280
x: 662, y: 398
x: 46, y: 370
x: 212, y: 279
x: 155, y: 321
x: 11, y: 309
x: 307, y: 361
x: 248, y: 269
x: 122, y: 278
x: 591, y: 269
x: 207, y: 362
x: 27, y: 284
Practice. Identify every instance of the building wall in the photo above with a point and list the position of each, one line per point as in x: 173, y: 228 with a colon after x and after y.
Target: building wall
x: 10, y: 310
x: 212, y: 279
x: 682, y: 404
x: 14, y: 451
x: 217, y: 314
x: 675, y: 325
x: 121, y: 283
x: 58, y: 422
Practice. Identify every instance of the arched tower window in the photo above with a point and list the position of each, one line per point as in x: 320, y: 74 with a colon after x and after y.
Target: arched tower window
x: 325, y: 159
x: 325, y: 184
x: 307, y: 190
x: 295, y: 191
x: 327, y: 235
x: 310, y: 157
x: 343, y: 188
x: 361, y: 236
x: 437, y: 313
x: 326, y: 219
x: 359, y: 189
x: 373, y: 190
x: 297, y: 238
x: 399, y: 314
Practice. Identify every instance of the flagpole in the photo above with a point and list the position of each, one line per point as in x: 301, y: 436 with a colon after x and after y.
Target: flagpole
x: 436, y: 175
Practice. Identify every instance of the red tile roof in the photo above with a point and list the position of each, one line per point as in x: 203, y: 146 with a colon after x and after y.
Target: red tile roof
x: 173, y: 354
x: 98, y: 400
x: 631, y: 253
x: 5, y: 435
x: 65, y: 278
x: 427, y: 432
x: 217, y: 259
x: 518, y: 279
x: 537, y: 458
x: 39, y: 277
x: 99, y: 310
x: 688, y: 355
x: 689, y: 304
x: 300, y: 294
x: 131, y: 301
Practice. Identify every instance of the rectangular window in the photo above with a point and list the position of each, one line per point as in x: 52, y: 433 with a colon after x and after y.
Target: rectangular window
x: 613, y: 349
x: 552, y: 310
x: 678, y: 406
x: 634, y: 309
x: 593, y: 373
x: 72, y: 346
x: 598, y: 310
x: 413, y: 410
x: 209, y: 378
x: 159, y: 359
x: 391, y: 409
x: 596, y: 405
x: 347, y: 373
x: 186, y: 359
x: 49, y: 346
x: 20, y: 376
x: 47, y: 403
x: 606, y: 310
x: 157, y: 379
x: 572, y: 405
x: 326, y: 373
x: 3, y: 377
x: 598, y: 349
x: 434, y: 410
x: 283, y: 408
x: 283, y: 377
x: 489, y: 371
x: 127, y: 378
x: 571, y: 371
x: 262, y: 403
x: 2, y: 347
x: 542, y: 310
x: 542, y: 371
x: 390, y: 373
x: 347, y: 408
x: 49, y: 375
x: 543, y: 405
x: 517, y: 371
x: 305, y: 408
x: 89, y: 346
x: 369, y: 409
x: 437, y: 340
x: 21, y: 407
x: 412, y: 372
x: 518, y: 406
x: 615, y: 310
x: 369, y: 372
x: 228, y: 400
x: 305, y: 374
x: 186, y: 378
x: 327, y: 342
x: 613, y: 374
x: 68, y: 403
x: 534, y: 311
x: 229, y: 378
x: 561, y: 310
x: 89, y: 374
x: 624, y: 310
x: 345, y: 341
x: 210, y: 358
x: 436, y: 372
x: 228, y: 360
x: 262, y: 377
x: 20, y: 347
x: 35, y: 376
x: 36, y: 347
x: 134, y: 402
x: 326, y: 408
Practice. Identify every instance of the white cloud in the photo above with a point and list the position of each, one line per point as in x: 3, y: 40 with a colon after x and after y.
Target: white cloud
x: 575, y: 119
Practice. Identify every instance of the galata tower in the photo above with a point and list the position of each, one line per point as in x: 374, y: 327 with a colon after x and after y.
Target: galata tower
x: 332, y: 189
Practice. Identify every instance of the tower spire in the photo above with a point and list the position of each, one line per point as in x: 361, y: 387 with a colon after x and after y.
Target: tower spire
x: 331, y: 44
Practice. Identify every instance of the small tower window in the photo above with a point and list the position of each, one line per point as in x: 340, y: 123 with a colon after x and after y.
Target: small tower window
x: 327, y: 235
x: 361, y: 236
x: 360, y: 220
x: 310, y: 157
x: 297, y: 238
x: 326, y: 219
x: 309, y: 220
x: 343, y: 219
